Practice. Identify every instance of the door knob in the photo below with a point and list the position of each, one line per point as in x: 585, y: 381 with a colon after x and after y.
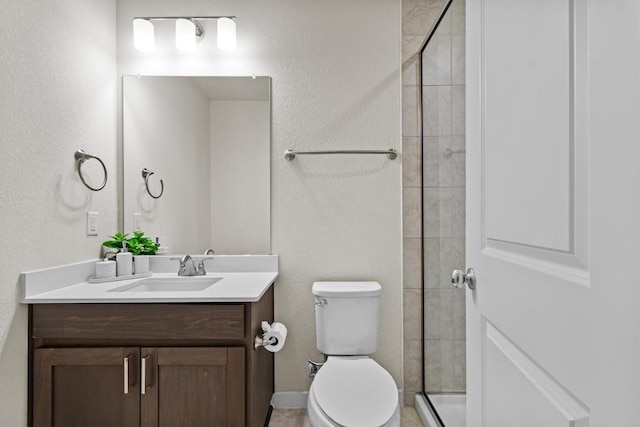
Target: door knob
x: 459, y: 278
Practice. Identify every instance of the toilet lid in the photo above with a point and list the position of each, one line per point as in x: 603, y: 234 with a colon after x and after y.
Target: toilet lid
x: 356, y: 392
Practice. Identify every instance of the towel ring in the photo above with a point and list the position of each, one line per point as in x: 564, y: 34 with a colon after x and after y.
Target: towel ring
x: 81, y: 156
x: 146, y: 173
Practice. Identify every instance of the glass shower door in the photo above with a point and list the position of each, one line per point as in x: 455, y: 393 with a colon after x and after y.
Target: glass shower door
x: 443, y: 214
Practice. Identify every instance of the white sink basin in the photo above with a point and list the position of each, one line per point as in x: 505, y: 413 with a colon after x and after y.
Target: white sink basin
x: 169, y: 284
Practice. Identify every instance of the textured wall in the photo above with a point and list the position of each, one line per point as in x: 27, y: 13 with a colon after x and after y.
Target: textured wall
x: 58, y: 94
x: 336, y: 84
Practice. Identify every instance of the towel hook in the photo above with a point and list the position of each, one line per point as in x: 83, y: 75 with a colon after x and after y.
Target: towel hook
x: 146, y: 173
x: 81, y: 156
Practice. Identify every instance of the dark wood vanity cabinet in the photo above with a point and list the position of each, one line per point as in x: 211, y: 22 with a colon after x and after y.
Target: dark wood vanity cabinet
x: 181, y: 386
x: 82, y: 386
x: 149, y: 364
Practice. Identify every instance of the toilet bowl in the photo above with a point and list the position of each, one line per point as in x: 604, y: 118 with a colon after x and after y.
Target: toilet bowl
x: 353, y: 391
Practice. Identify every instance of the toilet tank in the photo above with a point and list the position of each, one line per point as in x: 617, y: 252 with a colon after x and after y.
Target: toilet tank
x: 347, y: 316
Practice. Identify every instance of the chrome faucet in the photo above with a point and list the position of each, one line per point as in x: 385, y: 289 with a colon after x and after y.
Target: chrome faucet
x: 188, y: 266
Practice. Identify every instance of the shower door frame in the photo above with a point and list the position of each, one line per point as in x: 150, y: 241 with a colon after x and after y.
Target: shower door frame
x: 421, y: 112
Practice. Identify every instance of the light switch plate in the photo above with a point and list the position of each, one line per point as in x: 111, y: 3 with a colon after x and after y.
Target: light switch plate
x: 92, y: 223
x: 137, y: 222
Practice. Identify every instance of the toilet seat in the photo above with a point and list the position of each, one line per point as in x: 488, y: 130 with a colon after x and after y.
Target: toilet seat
x: 355, y: 391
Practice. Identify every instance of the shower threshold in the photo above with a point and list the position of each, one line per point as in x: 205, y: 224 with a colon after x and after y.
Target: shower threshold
x: 452, y: 409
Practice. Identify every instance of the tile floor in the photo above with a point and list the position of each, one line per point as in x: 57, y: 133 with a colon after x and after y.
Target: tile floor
x: 298, y: 418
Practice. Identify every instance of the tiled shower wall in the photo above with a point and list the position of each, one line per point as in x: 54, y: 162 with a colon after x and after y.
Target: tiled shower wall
x: 444, y: 180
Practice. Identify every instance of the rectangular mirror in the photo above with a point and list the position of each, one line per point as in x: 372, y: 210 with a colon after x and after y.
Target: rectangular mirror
x: 206, y: 144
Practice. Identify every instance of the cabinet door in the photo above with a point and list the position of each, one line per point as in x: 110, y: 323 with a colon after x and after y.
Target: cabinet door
x: 86, y: 387
x: 192, y: 387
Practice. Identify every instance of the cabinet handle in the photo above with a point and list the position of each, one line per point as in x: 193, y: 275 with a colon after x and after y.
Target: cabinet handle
x: 143, y: 389
x: 126, y: 374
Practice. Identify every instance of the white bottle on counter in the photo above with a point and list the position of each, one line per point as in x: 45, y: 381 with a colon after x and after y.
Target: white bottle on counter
x: 124, y: 262
x: 105, y: 269
x: 140, y: 264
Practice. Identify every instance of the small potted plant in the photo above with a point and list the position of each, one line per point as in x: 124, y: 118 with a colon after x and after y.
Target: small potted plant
x: 139, y: 245
x: 114, y: 245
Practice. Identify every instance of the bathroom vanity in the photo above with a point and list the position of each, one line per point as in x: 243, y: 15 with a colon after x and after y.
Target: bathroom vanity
x: 101, y: 358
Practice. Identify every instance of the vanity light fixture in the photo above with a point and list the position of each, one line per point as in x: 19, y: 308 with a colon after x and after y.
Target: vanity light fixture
x: 188, y: 32
x: 143, y: 35
x: 227, y: 34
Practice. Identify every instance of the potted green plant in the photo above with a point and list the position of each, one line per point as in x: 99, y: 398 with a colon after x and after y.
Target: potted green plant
x: 116, y: 243
x: 141, y: 247
x: 139, y: 244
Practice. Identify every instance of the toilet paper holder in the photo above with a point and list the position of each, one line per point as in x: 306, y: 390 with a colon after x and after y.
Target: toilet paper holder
x: 261, y: 341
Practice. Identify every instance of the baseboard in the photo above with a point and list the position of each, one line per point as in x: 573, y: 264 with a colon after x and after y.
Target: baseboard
x: 298, y: 399
x: 290, y: 399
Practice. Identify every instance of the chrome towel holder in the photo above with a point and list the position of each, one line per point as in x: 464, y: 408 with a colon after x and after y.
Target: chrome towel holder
x: 81, y: 156
x: 291, y: 154
x: 146, y: 173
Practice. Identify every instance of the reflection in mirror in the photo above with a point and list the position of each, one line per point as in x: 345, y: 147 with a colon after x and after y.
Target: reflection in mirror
x: 207, y: 139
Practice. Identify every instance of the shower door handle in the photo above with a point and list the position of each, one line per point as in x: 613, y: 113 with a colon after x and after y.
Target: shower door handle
x: 459, y: 278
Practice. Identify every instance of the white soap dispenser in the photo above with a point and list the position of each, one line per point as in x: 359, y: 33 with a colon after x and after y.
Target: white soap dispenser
x: 124, y: 262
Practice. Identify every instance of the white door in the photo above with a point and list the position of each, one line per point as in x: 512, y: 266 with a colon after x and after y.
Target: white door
x: 553, y: 217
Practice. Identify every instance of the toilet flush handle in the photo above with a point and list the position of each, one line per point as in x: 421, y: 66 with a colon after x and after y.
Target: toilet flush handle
x: 321, y: 303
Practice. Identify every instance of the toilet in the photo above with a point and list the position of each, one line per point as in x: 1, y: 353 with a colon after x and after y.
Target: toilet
x: 351, y: 389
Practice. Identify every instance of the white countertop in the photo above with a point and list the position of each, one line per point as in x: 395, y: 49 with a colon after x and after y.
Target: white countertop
x: 61, y: 285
